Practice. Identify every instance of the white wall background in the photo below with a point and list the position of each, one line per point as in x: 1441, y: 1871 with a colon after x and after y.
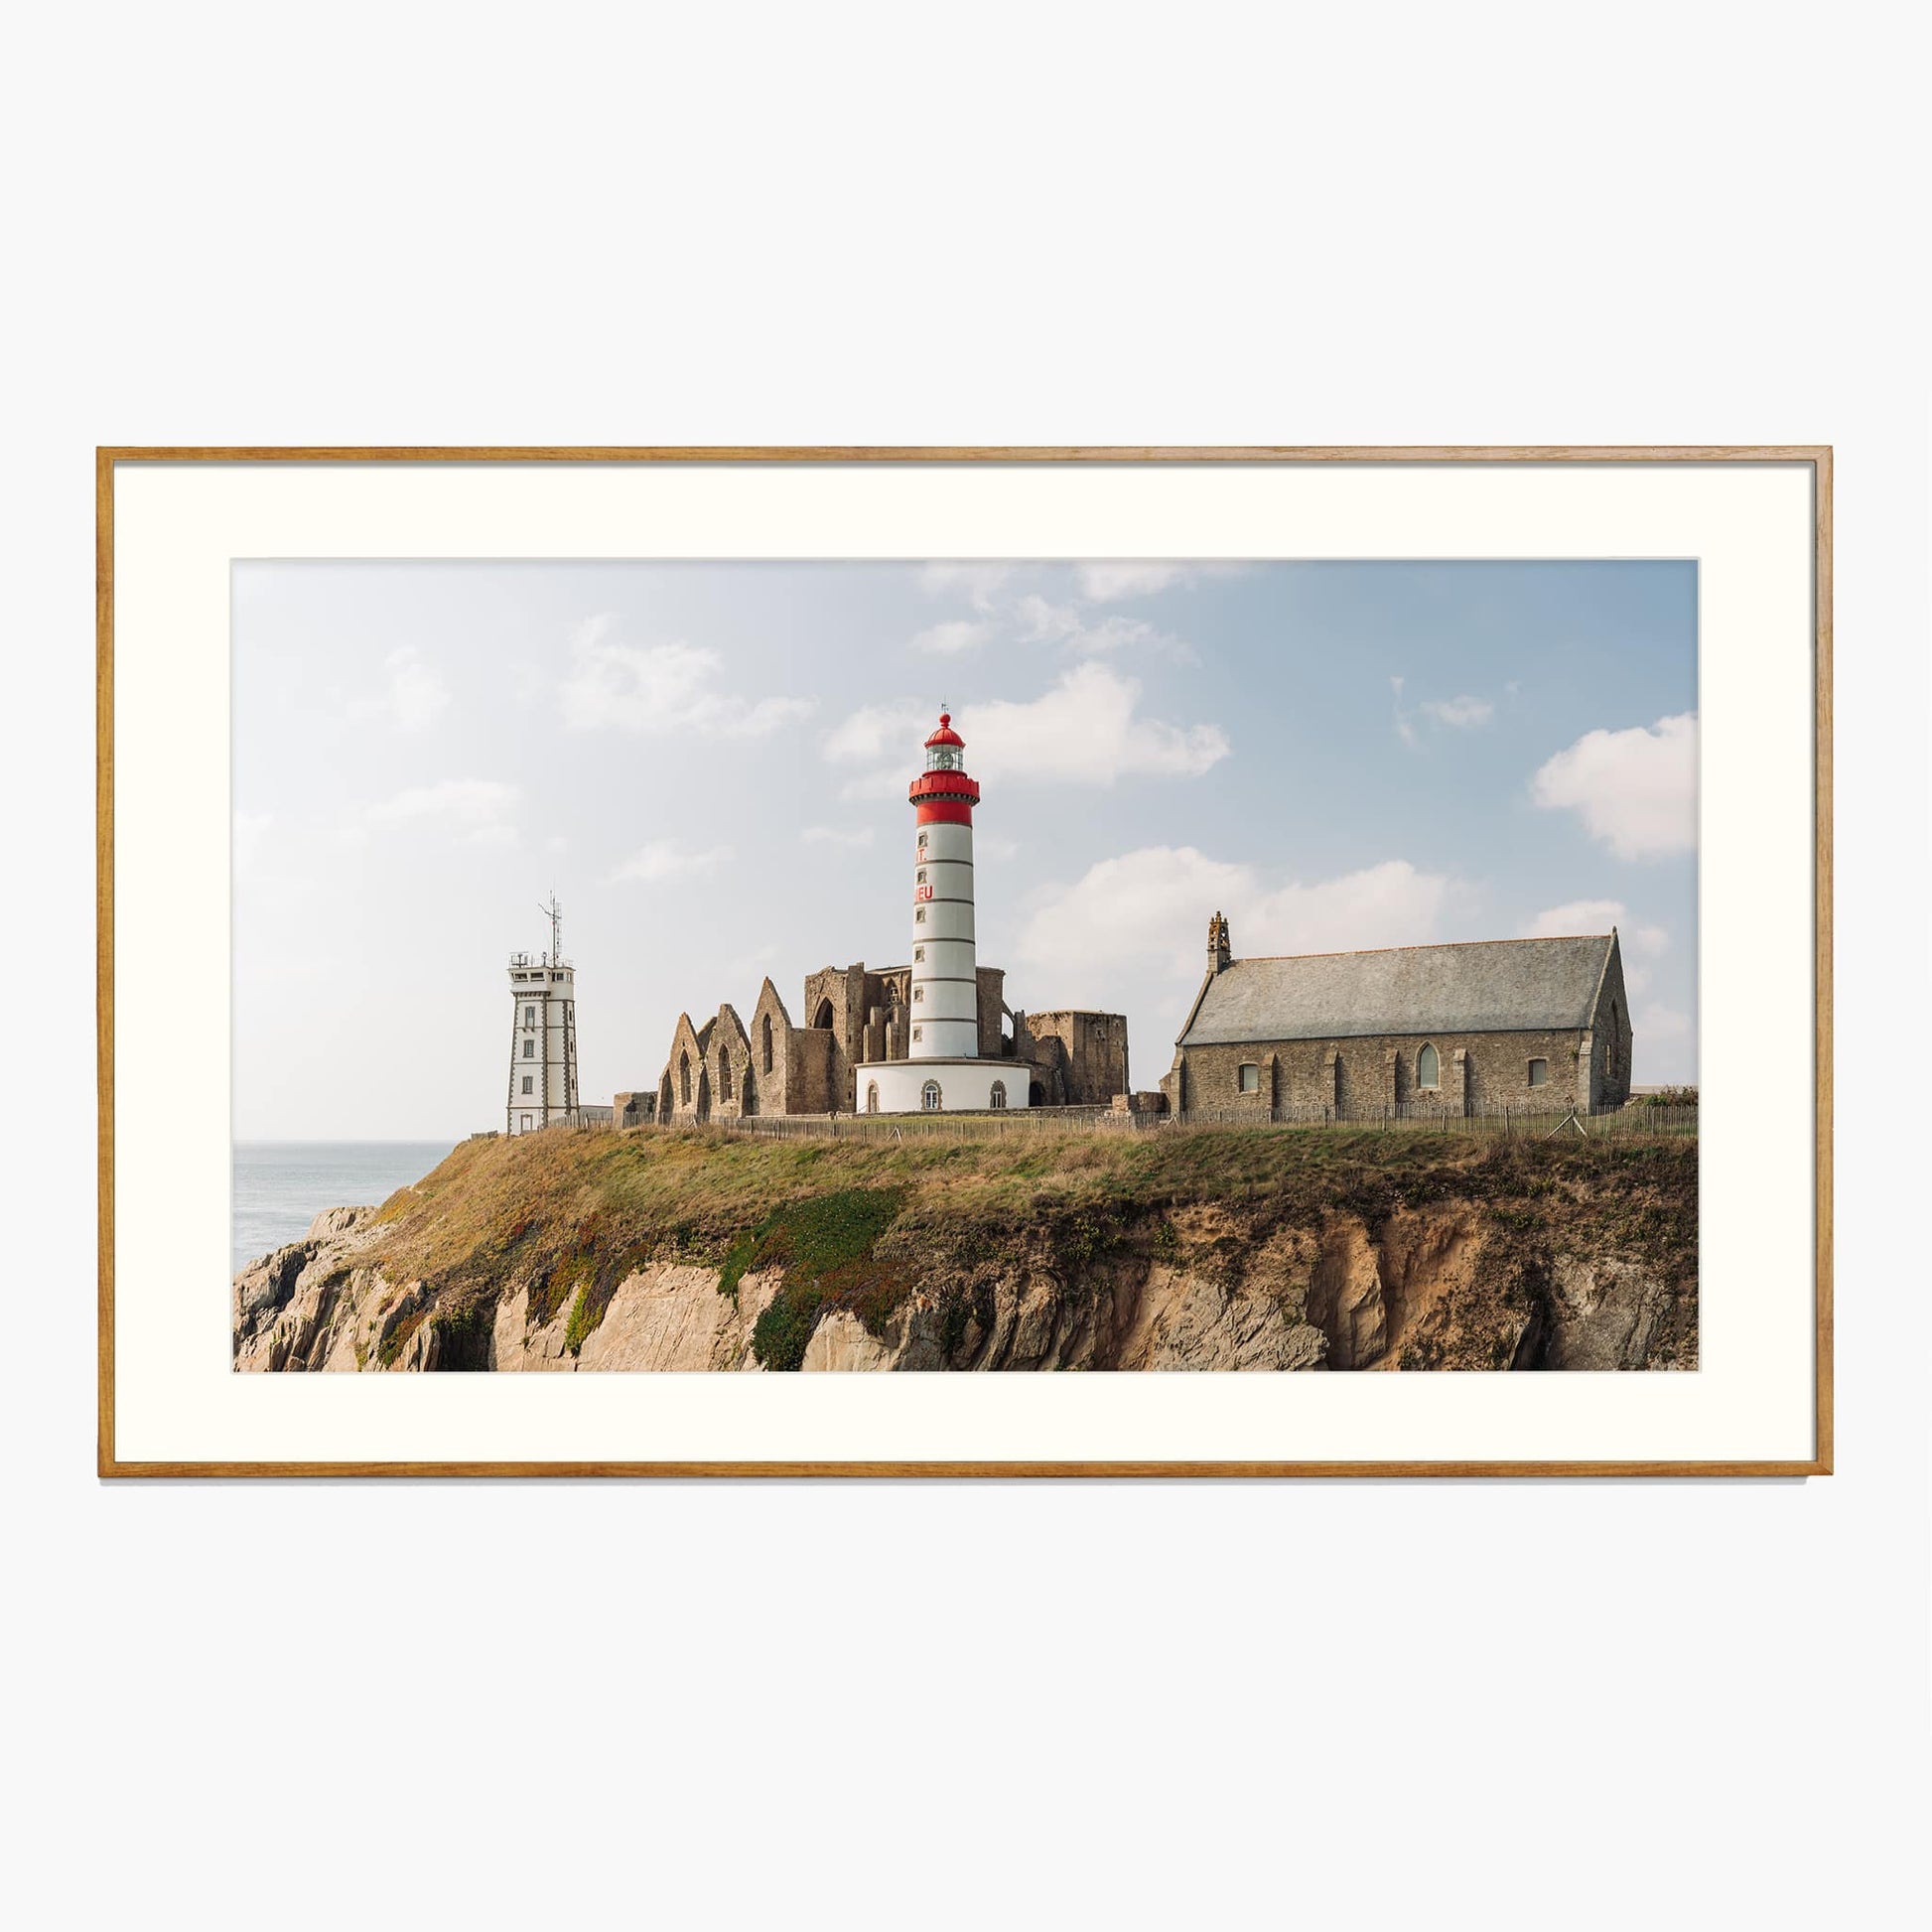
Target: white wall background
x: 1380, y: 1704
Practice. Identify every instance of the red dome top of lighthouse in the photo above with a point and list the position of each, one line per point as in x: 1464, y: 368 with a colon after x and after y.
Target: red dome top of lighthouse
x: 942, y: 791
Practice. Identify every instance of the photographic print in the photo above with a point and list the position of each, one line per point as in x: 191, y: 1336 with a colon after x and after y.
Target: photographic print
x: 1119, y: 965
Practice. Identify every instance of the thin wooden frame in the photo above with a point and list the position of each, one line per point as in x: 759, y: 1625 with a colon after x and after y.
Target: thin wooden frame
x: 1818, y: 457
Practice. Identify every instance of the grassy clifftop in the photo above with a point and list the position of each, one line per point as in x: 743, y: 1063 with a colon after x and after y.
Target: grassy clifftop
x: 865, y: 1227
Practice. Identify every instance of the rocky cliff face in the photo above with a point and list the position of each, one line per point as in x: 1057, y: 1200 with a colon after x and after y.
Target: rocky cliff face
x: 1447, y: 1281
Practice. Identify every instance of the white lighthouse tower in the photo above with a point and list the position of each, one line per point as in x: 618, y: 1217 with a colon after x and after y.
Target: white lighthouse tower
x: 543, y: 1035
x: 943, y: 1072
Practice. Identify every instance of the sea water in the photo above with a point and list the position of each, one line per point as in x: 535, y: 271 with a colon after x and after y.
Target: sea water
x: 280, y: 1186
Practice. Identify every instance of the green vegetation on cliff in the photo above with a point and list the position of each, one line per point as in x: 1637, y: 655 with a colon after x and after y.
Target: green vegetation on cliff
x: 862, y: 1225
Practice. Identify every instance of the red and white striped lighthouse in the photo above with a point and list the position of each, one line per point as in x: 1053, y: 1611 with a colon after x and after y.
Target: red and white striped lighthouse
x: 945, y: 1019
x: 943, y: 1070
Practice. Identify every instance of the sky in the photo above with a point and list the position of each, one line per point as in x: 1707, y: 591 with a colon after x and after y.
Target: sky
x: 708, y: 763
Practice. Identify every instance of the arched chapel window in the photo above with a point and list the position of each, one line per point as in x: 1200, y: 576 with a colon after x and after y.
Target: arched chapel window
x: 684, y: 1079
x: 929, y: 1096
x: 872, y: 1096
x: 999, y: 1096
x: 768, y: 1042
x: 1429, y: 1068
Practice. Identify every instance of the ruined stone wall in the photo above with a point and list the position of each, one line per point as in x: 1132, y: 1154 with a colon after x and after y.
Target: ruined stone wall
x: 991, y: 991
x: 835, y: 1003
x: 771, y: 1056
x: 1092, y: 1056
x: 1045, y: 1064
x: 852, y: 1014
x: 729, y: 1062
x: 812, y: 1073
x: 684, y: 1089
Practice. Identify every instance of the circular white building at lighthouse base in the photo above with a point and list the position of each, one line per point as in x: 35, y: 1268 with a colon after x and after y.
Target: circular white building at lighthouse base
x: 942, y: 1087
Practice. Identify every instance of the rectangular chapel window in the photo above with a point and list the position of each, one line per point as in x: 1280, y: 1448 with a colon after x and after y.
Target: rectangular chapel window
x: 1539, y: 1073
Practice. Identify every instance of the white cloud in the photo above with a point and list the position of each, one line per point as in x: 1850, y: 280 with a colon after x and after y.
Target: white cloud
x: 1135, y: 578
x: 667, y: 859
x: 1103, y: 582
x: 656, y: 690
x: 1578, y: 915
x: 475, y: 810
x: 414, y: 696
x: 949, y: 640
x: 1460, y: 714
x: 831, y: 835
x: 1040, y: 622
x: 1150, y: 908
x: 1635, y: 791
x: 467, y: 801
x: 976, y: 582
x: 1087, y: 729
x: 1464, y: 713
x: 878, y: 731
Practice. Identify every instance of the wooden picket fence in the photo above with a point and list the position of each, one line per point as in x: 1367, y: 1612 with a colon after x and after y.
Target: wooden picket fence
x: 1637, y: 1120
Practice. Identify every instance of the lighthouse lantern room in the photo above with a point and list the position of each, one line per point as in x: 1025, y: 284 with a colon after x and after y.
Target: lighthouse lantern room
x: 943, y: 1072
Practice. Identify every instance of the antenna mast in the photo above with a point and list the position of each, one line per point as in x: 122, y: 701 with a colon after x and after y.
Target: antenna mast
x: 554, y: 915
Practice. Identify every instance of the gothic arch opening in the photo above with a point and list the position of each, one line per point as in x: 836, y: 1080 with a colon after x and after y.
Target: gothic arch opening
x: 684, y: 1079
x: 765, y: 1032
x: 822, y: 1019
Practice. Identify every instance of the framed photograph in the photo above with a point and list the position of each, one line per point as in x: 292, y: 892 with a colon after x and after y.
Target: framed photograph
x: 612, y: 959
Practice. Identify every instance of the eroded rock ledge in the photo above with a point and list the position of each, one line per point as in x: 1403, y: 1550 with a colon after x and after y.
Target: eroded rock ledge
x: 1557, y: 1267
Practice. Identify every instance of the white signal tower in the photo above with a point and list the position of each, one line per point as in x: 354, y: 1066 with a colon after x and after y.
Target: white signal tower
x: 543, y: 1035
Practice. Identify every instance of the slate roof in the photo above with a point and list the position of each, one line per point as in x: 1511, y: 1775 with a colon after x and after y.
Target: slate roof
x: 1489, y: 986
